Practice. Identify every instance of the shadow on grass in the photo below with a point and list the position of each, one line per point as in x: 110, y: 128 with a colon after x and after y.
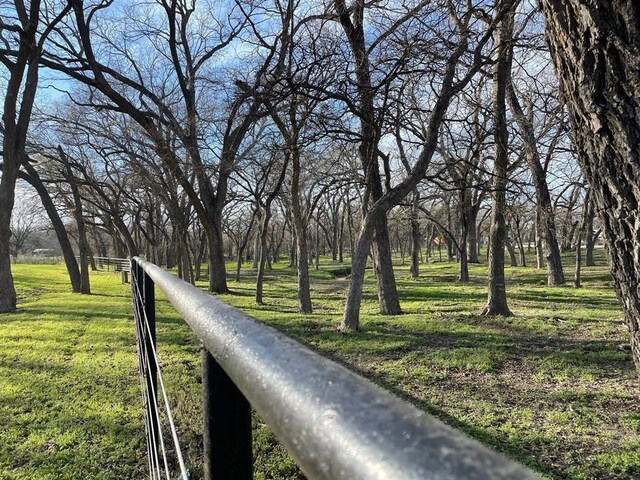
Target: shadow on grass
x: 555, y: 356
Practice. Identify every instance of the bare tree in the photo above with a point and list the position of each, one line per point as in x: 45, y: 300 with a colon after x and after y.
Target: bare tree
x: 497, y: 300
x: 451, y: 82
x: 22, y: 37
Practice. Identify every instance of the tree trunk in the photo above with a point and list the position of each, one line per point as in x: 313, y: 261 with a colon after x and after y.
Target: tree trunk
x: 317, y: 245
x: 368, y: 153
x: 595, y: 48
x: 32, y: 177
x: 387, y: 291
x: 472, y: 233
x: 238, y: 264
x: 263, y: 255
x: 415, y: 238
x: 464, y: 259
x: 21, y: 85
x: 590, y: 247
x: 497, y: 300
x: 341, y: 238
x: 576, y: 278
x: 8, y: 298
x: 302, y: 254
x: 256, y: 249
x: 83, y: 242
x: 590, y: 237
x: 293, y: 252
x: 351, y: 317
x: 555, y: 274
x: 538, y: 235
x: 521, y: 250
x: 217, y: 267
x: 512, y: 253
x: 336, y: 234
x: 464, y: 234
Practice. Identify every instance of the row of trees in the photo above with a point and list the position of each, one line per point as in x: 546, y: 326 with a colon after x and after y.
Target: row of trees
x: 196, y: 132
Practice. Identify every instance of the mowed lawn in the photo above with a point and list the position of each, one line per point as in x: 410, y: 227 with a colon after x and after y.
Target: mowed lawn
x: 553, y: 387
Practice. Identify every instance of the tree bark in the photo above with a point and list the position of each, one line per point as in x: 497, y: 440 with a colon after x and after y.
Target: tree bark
x: 388, y: 298
x: 497, y: 300
x: 217, y: 267
x: 520, y: 242
x: 595, y: 48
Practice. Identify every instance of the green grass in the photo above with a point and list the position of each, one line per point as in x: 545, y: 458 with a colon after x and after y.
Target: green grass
x: 550, y: 387
x: 68, y: 392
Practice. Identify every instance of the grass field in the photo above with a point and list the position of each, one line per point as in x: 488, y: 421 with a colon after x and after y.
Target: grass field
x: 552, y: 387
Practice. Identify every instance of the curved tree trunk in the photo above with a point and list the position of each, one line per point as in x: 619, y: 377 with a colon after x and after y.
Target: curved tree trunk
x: 375, y: 217
x: 351, y: 317
x: 595, y: 47
x: 32, y: 177
x: 21, y: 86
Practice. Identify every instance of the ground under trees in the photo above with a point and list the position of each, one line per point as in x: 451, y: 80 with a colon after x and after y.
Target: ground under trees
x: 553, y: 387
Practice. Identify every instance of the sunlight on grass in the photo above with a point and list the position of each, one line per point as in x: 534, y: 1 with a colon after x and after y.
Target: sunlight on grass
x: 551, y: 387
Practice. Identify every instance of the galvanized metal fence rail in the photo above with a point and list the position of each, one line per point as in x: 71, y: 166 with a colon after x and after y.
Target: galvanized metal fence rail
x: 335, y: 424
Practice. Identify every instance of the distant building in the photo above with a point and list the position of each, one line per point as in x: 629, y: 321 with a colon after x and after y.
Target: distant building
x: 43, y: 252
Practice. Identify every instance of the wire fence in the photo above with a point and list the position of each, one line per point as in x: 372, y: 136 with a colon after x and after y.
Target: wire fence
x: 335, y: 424
x: 163, y: 444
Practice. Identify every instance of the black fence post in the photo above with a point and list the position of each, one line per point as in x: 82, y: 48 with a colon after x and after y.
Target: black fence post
x: 148, y: 294
x: 227, y: 425
x: 146, y: 308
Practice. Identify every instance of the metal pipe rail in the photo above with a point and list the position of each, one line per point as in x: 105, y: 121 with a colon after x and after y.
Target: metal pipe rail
x: 335, y: 424
x: 119, y: 264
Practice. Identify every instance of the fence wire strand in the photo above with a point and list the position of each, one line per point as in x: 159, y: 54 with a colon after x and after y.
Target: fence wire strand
x: 145, y: 355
